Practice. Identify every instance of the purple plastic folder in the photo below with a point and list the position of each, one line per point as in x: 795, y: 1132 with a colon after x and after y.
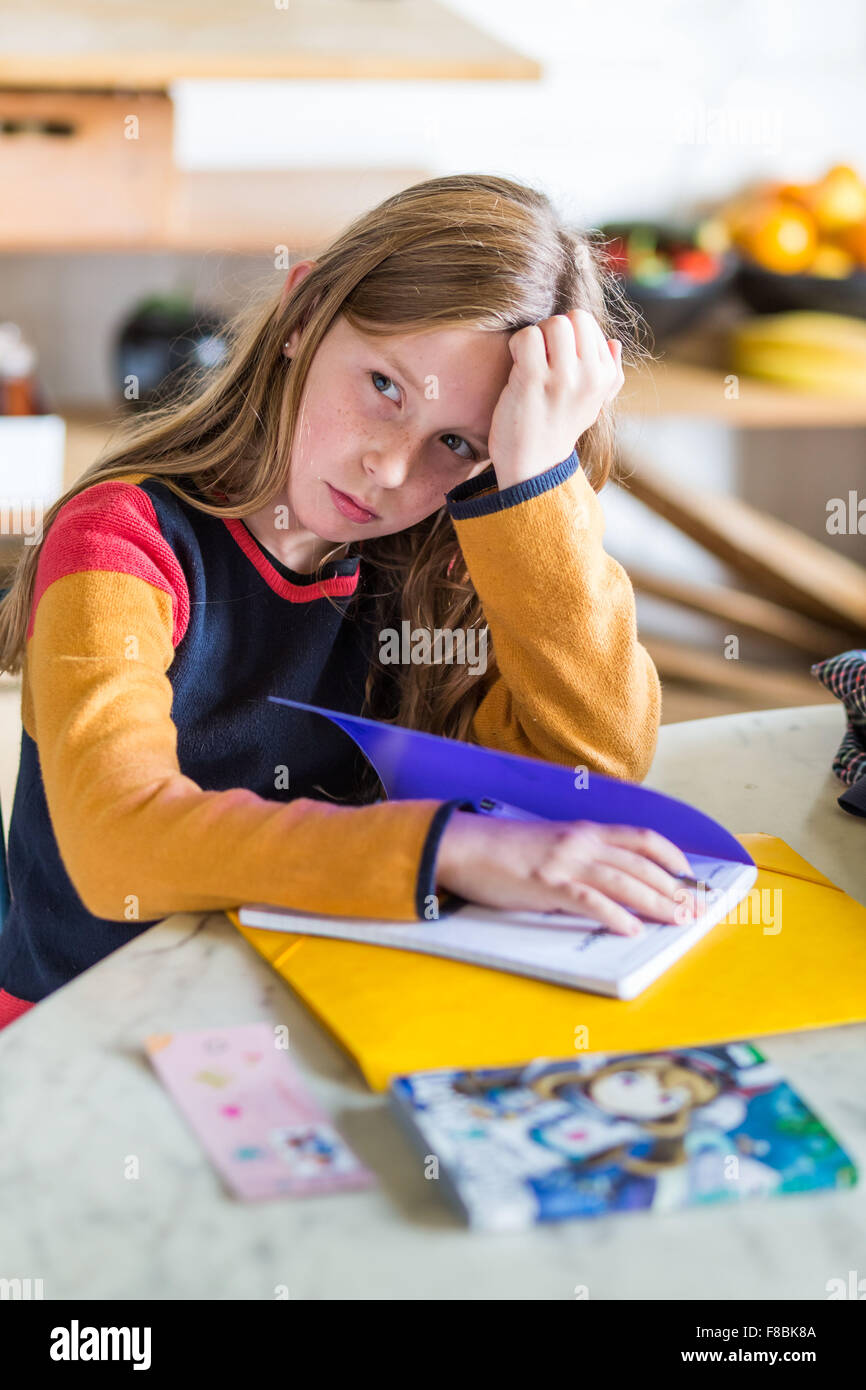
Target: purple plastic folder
x: 418, y: 766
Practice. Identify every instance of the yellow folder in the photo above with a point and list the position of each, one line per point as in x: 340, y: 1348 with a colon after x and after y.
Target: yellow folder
x: 398, y: 1011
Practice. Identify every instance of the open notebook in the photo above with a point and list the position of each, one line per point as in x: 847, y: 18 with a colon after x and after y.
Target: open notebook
x: 553, y: 946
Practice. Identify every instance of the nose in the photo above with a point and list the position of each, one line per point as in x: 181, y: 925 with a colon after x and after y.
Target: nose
x: 388, y: 464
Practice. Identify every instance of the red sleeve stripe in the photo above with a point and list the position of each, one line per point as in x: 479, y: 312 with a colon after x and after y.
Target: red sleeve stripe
x: 112, y: 526
x: 11, y: 1007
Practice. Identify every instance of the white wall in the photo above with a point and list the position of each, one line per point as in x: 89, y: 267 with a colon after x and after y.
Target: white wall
x: 642, y: 108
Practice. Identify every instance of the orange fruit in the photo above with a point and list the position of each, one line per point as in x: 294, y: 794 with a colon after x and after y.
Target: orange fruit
x: 796, y: 193
x: 831, y: 262
x: 853, y: 239
x: 839, y: 200
x: 779, y: 235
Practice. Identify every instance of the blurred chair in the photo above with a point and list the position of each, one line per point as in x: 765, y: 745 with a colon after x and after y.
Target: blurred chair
x: 4, y: 875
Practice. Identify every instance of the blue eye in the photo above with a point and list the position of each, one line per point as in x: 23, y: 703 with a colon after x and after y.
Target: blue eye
x: 382, y: 377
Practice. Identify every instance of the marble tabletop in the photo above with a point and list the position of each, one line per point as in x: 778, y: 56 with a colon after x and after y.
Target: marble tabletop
x: 79, y: 1099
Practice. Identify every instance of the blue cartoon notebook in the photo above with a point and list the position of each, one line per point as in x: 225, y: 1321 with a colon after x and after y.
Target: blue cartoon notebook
x: 597, y: 1134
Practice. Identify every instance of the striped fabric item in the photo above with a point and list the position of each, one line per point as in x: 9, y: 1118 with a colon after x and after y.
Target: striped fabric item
x: 845, y: 676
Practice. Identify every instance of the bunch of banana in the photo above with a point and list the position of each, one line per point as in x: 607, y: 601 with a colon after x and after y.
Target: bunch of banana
x: 807, y: 350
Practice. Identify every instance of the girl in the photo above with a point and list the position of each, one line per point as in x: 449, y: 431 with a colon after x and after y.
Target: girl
x: 394, y: 439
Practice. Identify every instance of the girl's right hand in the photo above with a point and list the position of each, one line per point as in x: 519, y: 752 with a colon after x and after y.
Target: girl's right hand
x: 600, y: 871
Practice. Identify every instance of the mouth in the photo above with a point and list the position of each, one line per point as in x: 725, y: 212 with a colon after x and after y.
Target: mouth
x: 351, y: 507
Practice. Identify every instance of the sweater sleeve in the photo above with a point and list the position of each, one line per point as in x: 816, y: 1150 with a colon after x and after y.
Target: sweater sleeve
x: 137, y: 837
x: 574, y: 686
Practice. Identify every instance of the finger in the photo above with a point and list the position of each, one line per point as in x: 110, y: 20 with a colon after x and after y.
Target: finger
x: 585, y: 332
x: 613, y: 392
x: 529, y: 351
x: 646, y: 842
x: 615, y: 347
x: 610, y: 363
x: 635, y: 895
x: 586, y: 901
x: 639, y: 867
x: 561, y: 345
x: 601, y: 346
x: 607, y: 378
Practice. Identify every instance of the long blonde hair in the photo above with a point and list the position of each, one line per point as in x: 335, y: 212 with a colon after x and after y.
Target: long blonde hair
x: 468, y: 250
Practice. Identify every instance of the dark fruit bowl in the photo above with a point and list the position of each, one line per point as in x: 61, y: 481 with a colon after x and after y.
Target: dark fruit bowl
x: 671, y: 309
x: 677, y: 303
x: 165, y: 341
x: 769, y: 293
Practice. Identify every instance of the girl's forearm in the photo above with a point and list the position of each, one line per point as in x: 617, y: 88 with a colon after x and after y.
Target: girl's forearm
x: 576, y: 686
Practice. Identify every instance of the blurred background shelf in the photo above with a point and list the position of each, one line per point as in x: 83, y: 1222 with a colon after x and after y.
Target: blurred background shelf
x: 678, y: 387
x: 100, y: 43
x: 95, y: 172
x: 692, y: 377
x: 234, y: 212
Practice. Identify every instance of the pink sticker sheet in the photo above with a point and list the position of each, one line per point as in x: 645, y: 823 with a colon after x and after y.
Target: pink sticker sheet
x: 260, y: 1126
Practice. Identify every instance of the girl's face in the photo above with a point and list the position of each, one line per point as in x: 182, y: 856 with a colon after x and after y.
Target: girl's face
x: 393, y: 423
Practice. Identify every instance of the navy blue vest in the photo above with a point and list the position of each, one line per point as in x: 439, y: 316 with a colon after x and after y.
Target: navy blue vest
x: 244, y: 641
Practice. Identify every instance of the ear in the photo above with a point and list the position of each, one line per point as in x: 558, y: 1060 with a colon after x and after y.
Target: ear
x: 297, y: 273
